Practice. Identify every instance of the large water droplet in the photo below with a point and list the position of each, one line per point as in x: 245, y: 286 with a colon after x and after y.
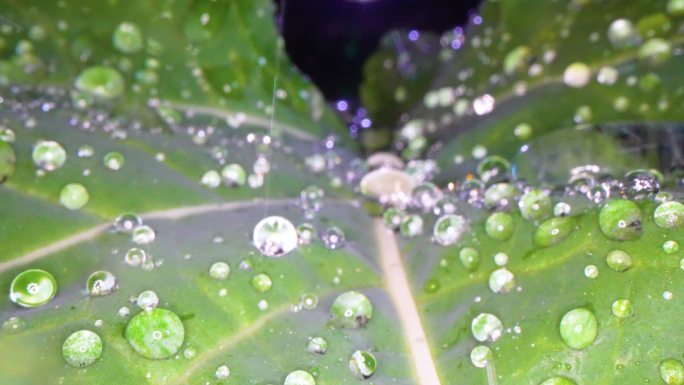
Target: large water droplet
x: 500, y: 226
x: 82, y: 348
x: 672, y: 371
x: 74, y: 196
x: 101, y: 283
x: 553, y: 231
x: 669, y: 215
x: 502, y: 281
x: 299, y: 377
x: 620, y: 220
x: 127, y: 38
x: 33, y: 288
x: 49, y: 155
x: 619, y: 260
x: 449, y: 229
x: 275, y: 236
x: 219, y: 271
x: 486, y: 327
x: 578, y: 328
x: 317, y: 345
x: 351, y: 310
x: 156, y: 333
x: 102, y: 82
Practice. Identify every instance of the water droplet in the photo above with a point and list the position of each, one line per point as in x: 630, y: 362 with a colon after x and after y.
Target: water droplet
x: 222, y: 372
x: 392, y: 217
x: 124, y: 312
x: 126, y: 223
x: 671, y: 247
x: 470, y: 258
x: 577, y: 75
x: 156, y: 333
x: 114, y: 160
x: 486, y: 327
x: 362, y: 364
x: 562, y: 209
x: 500, y: 226
x: 481, y: 355
x: 147, y: 300
x: 333, y: 238
x: 309, y: 301
x: 33, y: 288
x: 101, y: 283
x: 234, y: 175
x: 620, y: 220
x: 622, y: 308
x: 640, y: 184
x: 101, y: 82
x: 553, y: 231
x: 127, y: 38
x: 306, y: 233
x: 317, y: 345
x: 425, y: 196
x: 655, y: 51
x: 74, y: 196
x: 621, y: 33
x: 494, y: 169
x: 135, y: 256
x: 189, y: 353
x: 351, y: 310
x: 388, y: 185
x: 501, y: 259
x: 619, y: 261
x: 591, y: 271
x: 411, y: 226
x: 299, y: 377
x: 535, y: 204
x: 211, y: 179
x: 49, y: 155
x: 578, y: 328
x: 275, y: 236
x: 675, y: 7
x: 669, y: 215
x: 667, y: 295
x: 502, y: 281
x: 449, y: 229
x: 13, y: 324
x: 261, y: 283
x: 82, y: 348
x: 219, y: 271
x: 143, y: 235
x: 672, y: 371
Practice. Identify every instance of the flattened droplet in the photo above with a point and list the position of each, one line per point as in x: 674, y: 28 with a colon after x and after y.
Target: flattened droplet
x: 156, y: 334
x: 82, y: 348
x: 578, y: 328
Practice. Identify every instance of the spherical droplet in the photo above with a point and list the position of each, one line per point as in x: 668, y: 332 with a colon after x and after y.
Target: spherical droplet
x: 392, y: 217
x: 127, y: 38
x: 143, y: 235
x: 502, y: 281
x: 535, y: 205
x: 33, y: 288
x: 671, y: 247
x: 591, y: 271
x: 481, y: 355
x: 82, y: 348
x: 333, y: 238
x: 620, y: 220
x: 470, y: 258
x: 622, y: 308
x: 655, y: 51
x: 299, y: 377
x: 577, y: 75
x: 222, y: 372
x: 449, y: 229
x: 74, y: 196
x: 494, y: 169
x: 114, y: 160
x: 156, y: 334
x: 211, y: 179
x: 219, y: 271
x: 622, y: 33
x: 317, y: 345
x: 100, y: 81
x: 578, y: 328
x: 147, y: 300
x: 500, y: 226
x: 275, y: 236
x: 672, y: 371
x: 234, y: 175
x: 135, y: 256
x: 351, y: 310
x: 49, y: 155
x: 486, y: 327
x: 101, y: 283
x: 362, y: 364
x: 261, y: 283
x: 553, y: 231
x: 411, y: 226
x: 669, y: 215
x: 126, y: 223
x: 618, y: 260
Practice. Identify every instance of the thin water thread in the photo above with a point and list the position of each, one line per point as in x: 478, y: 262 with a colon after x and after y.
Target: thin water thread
x: 269, y: 151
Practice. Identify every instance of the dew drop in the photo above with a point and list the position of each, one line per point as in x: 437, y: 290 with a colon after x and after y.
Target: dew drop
x: 101, y: 283
x: 147, y: 300
x: 143, y: 235
x: 502, y: 281
x: 333, y: 238
x: 49, y: 155
x: 219, y: 271
x: 82, y: 348
x: 449, y: 229
x: 299, y: 377
x: 622, y: 308
x: 275, y: 236
x: 480, y: 356
x: 500, y: 226
x: 578, y: 328
x: 620, y: 220
x: 619, y: 261
x: 486, y: 327
x: 74, y: 196
x: 672, y: 371
x: 33, y: 288
x: 156, y: 334
x: 261, y: 283
x: 351, y: 310
x: 317, y: 345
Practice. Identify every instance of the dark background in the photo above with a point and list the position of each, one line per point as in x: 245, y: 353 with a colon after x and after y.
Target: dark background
x: 329, y: 40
